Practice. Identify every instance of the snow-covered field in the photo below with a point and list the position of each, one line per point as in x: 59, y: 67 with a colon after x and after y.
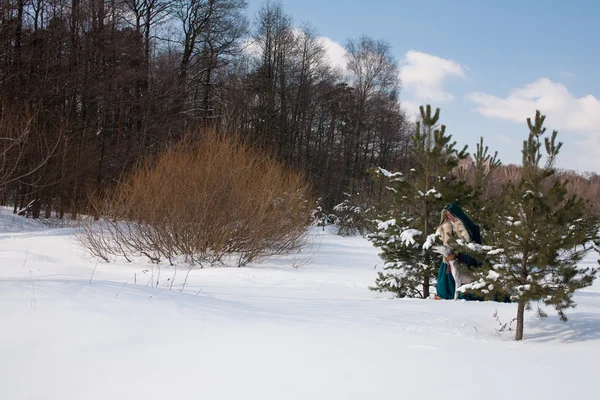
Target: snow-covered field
x: 271, y: 331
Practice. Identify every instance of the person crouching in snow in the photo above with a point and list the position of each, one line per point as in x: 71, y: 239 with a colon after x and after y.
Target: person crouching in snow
x: 456, y: 223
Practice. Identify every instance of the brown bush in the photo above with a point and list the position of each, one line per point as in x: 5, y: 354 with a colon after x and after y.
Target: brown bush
x: 203, y: 199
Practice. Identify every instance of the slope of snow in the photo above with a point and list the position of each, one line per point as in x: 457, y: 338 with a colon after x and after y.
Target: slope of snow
x: 271, y: 331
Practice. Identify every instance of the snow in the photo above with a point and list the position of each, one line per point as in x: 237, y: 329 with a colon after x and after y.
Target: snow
x: 495, y: 251
x: 523, y: 288
x: 388, y: 174
x: 433, y: 192
x: 430, y: 241
x: 470, y: 245
x: 269, y: 331
x: 407, y: 237
x: 383, y: 226
x: 530, y: 193
x: 493, y: 275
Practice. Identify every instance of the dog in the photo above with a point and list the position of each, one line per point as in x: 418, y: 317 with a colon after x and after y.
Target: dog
x: 449, y: 228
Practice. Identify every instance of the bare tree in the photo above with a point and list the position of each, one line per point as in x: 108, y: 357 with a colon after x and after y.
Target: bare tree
x: 212, y: 33
x: 112, y: 85
x: 24, y: 153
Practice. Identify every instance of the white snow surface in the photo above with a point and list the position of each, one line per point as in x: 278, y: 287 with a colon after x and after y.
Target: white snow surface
x: 269, y: 331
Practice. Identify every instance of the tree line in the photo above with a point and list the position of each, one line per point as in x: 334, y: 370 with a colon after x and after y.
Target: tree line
x: 90, y: 88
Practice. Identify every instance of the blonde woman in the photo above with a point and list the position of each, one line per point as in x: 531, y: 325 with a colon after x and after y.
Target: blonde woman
x: 455, y: 222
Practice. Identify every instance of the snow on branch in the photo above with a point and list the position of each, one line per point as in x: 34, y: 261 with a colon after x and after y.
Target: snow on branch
x: 393, y: 177
x: 383, y: 226
x: 429, y: 241
x: 407, y: 237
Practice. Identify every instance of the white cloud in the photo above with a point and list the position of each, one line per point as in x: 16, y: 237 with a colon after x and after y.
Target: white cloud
x: 335, y: 52
x: 584, y: 157
x: 251, y: 47
x: 424, y: 75
x: 565, y: 112
x: 412, y: 110
x: 553, y: 99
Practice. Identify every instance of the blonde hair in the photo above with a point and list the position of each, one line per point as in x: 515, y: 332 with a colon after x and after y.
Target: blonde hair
x: 450, y: 226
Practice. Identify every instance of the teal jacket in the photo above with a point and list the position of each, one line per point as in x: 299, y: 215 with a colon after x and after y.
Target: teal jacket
x: 445, y: 282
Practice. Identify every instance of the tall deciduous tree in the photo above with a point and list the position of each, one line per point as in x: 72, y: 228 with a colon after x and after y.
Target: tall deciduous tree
x: 212, y: 34
x: 374, y: 75
x: 117, y: 85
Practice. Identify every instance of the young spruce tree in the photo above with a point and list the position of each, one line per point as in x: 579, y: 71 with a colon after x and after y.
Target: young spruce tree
x: 406, y: 233
x: 539, y: 236
x: 483, y: 164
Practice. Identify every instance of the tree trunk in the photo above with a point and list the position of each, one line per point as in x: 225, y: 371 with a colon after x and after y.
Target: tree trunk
x: 61, y: 211
x: 19, y: 31
x: 426, y: 230
x: 521, y: 308
x: 36, y: 210
x: 16, y: 200
x: 520, y: 315
x: 426, y: 223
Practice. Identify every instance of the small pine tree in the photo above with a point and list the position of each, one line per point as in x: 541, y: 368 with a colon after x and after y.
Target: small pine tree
x: 538, y: 238
x: 321, y: 218
x: 353, y: 215
x: 406, y: 233
x: 483, y: 164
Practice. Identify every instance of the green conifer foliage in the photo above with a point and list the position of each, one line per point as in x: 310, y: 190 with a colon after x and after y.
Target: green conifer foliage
x: 537, y: 239
x: 483, y: 164
x: 406, y: 233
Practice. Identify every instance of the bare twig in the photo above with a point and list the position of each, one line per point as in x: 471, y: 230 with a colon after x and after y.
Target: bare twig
x: 503, y: 326
x: 159, y: 290
x: 34, y: 302
x: 173, y: 280
x: 122, y: 286
x: 185, y: 281
x: 92, y: 277
x: 25, y: 261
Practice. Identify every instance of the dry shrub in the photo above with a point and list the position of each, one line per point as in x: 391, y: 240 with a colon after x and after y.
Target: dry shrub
x: 585, y: 186
x: 203, y: 199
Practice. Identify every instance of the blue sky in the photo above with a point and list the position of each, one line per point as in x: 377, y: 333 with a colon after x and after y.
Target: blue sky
x: 487, y: 64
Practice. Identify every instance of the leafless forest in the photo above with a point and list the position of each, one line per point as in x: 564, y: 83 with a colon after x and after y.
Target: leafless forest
x: 91, y: 88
